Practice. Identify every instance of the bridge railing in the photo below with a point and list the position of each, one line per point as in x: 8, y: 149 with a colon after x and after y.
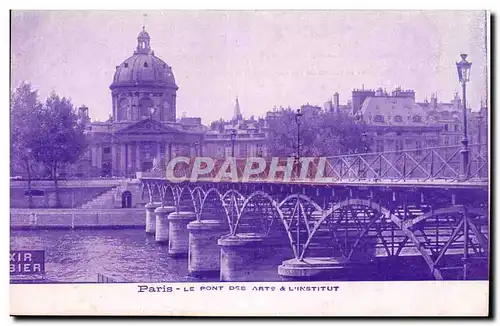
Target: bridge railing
x: 422, y: 165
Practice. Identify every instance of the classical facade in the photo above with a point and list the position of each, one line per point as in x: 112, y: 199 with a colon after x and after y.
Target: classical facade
x: 250, y: 137
x: 143, y: 129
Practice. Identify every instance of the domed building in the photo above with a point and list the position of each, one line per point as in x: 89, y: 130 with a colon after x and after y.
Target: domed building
x: 143, y: 86
x: 143, y: 125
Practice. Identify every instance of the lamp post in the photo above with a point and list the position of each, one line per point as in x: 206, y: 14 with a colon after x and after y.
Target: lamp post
x: 298, y: 115
x: 364, y: 137
x: 463, y: 69
x: 233, y: 140
x: 195, y: 145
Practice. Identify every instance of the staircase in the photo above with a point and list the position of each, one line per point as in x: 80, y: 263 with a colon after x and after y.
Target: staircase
x: 104, y: 200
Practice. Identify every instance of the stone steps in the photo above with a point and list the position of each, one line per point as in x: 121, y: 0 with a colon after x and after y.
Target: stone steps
x: 104, y: 200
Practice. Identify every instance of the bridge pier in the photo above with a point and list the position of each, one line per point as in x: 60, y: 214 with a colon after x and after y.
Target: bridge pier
x: 310, y: 269
x: 178, y: 234
x: 150, y: 217
x: 204, y: 252
x: 161, y: 234
x: 238, y: 255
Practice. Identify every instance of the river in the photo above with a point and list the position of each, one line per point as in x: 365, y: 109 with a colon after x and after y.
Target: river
x: 129, y: 255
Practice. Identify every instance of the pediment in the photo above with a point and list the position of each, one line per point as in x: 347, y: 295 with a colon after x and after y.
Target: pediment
x: 148, y: 126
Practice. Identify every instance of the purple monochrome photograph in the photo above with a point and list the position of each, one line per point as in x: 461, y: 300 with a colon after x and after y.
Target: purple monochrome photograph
x: 299, y: 149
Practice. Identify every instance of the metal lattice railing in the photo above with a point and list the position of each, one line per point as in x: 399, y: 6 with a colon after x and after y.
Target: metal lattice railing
x: 420, y: 165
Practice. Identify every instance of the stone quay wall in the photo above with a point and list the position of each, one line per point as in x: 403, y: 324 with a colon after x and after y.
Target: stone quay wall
x: 77, y: 218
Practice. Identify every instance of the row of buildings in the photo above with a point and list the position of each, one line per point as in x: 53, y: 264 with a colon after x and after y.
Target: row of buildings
x: 144, y: 129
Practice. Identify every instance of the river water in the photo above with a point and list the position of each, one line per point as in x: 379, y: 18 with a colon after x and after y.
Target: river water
x: 129, y: 255
x: 126, y: 255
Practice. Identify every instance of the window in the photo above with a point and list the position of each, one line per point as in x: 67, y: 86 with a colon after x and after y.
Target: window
x: 417, y: 118
x: 126, y: 65
x: 446, y: 140
x: 457, y: 140
x: 145, y: 64
x: 418, y: 146
x: 244, y: 150
x: 399, y: 145
x: 378, y: 118
x: 456, y: 128
x: 398, y: 118
x: 446, y: 127
x: 106, y: 150
x: 379, y: 145
x: 260, y: 152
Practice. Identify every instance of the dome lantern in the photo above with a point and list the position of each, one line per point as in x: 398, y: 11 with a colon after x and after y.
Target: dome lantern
x: 143, y: 42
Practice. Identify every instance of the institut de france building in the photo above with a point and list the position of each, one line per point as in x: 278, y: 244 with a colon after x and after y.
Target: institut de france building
x: 143, y: 125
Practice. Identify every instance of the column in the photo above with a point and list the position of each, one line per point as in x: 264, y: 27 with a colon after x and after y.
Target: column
x: 167, y: 155
x: 150, y: 217
x: 204, y: 252
x: 162, y: 223
x: 93, y: 154
x: 158, y: 147
x: 114, y: 163
x: 178, y: 234
x: 99, y: 157
x: 123, y: 159
x: 169, y: 152
x: 138, y: 156
x: 193, y: 151
x: 130, y: 169
x: 237, y: 254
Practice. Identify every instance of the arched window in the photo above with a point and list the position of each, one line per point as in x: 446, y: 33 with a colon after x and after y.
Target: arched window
x: 378, y: 118
x: 123, y: 108
x: 417, y: 118
x: 144, y: 104
x: 398, y: 118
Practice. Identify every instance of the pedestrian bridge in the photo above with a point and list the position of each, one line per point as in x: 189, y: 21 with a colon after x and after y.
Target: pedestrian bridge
x: 420, y: 203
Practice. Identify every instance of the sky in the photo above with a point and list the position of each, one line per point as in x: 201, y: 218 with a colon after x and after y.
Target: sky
x: 266, y: 58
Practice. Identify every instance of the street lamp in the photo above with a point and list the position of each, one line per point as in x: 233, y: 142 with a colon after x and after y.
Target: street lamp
x: 463, y: 69
x: 233, y: 139
x: 298, y: 114
x: 364, y: 137
x: 196, y: 149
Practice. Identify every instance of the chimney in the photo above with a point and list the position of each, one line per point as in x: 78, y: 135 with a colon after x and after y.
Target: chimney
x: 83, y: 112
x: 336, y: 101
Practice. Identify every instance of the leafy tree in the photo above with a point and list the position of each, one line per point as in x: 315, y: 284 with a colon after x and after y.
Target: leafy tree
x: 60, y: 138
x: 23, y: 107
x: 321, y: 134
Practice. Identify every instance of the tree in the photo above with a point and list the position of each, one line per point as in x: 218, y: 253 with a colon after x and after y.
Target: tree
x: 321, y: 134
x: 60, y: 138
x: 23, y: 107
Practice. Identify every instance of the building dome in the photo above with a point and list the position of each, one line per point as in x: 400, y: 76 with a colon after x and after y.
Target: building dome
x: 143, y: 68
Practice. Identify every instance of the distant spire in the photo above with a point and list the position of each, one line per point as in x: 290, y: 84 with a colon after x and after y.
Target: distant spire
x: 237, y: 116
x: 144, y: 21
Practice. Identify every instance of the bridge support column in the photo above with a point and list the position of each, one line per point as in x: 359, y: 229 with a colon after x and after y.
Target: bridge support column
x: 162, y: 223
x: 150, y: 217
x: 320, y: 268
x: 204, y: 252
x: 238, y: 256
x: 178, y: 234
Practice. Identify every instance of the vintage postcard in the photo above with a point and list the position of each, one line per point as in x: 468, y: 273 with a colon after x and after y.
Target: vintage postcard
x: 250, y: 163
